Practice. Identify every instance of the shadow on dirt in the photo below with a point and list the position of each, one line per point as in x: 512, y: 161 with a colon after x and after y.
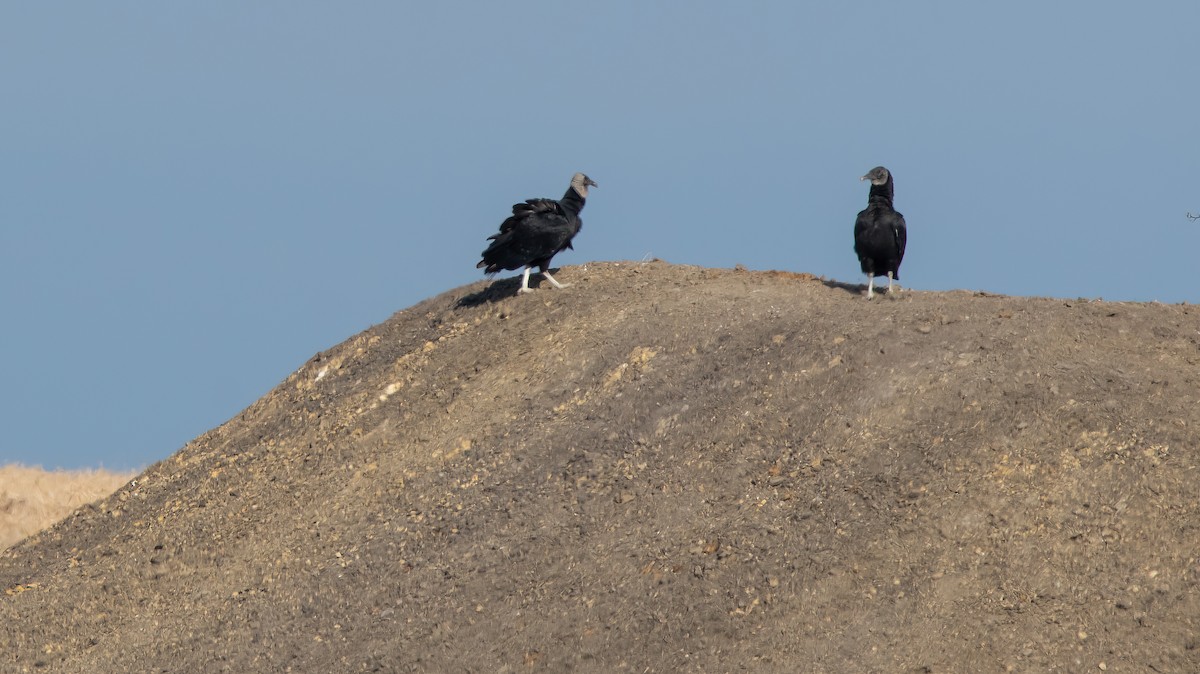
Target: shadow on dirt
x: 503, y: 289
x: 852, y: 288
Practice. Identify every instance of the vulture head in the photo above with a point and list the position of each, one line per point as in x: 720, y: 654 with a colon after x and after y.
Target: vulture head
x: 877, y: 176
x: 580, y: 183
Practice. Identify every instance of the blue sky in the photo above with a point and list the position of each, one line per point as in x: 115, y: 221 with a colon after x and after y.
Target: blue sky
x: 197, y: 197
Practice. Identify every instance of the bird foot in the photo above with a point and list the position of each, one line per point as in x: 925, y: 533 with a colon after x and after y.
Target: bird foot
x: 524, y: 290
x: 554, y: 282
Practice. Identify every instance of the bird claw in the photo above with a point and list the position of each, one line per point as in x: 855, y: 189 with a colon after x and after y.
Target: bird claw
x: 524, y: 290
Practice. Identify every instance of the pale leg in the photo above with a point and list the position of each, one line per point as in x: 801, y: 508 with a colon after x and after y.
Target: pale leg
x: 870, y: 286
x: 525, y: 282
x: 554, y: 283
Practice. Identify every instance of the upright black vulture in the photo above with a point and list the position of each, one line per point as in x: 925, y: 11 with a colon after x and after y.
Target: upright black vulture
x: 536, y: 231
x: 879, y: 232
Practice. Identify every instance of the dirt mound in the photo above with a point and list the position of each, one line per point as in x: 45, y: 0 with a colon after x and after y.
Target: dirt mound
x: 660, y: 469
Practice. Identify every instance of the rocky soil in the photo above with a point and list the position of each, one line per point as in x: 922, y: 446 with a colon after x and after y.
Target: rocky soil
x: 664, y: 468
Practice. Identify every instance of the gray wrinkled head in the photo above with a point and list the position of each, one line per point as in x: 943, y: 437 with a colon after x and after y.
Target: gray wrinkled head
x: 580, y: 183
x: 877, y: 176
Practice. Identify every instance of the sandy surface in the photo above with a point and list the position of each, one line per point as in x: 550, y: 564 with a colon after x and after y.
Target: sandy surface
x: 664, y: 469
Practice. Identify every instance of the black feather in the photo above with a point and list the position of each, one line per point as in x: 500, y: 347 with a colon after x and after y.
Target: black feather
x: 880, y: 234
x: 536, y: 231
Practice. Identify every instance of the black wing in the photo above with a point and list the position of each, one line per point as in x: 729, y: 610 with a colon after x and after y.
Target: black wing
x: 533, y: 235
x: 527, y: 208
x: 880, y: 237
x: 899, y: 234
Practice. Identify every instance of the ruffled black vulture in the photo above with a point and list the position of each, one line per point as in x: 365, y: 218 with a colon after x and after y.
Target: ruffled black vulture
x: 536, y: 231
x: 879, y: 232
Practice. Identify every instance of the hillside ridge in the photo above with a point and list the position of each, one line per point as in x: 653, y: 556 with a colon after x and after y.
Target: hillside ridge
x: 663, y: 468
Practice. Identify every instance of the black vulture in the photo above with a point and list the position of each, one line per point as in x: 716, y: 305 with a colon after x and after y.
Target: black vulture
x: 536, y: 231
x: 879, y: 232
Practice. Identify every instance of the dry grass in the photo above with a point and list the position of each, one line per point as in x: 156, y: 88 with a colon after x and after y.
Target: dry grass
x: 32, y: 499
